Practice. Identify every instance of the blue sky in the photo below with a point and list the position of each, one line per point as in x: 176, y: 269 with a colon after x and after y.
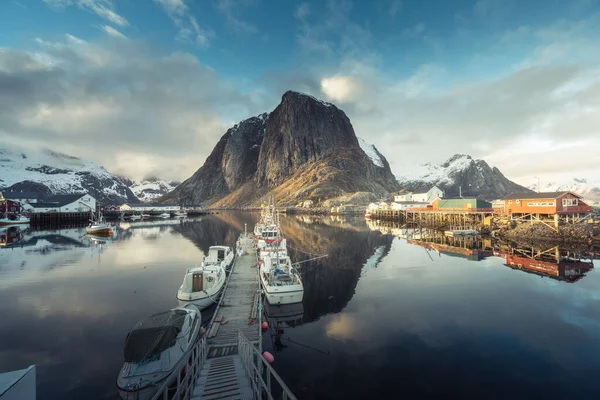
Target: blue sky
x: 161, y: 80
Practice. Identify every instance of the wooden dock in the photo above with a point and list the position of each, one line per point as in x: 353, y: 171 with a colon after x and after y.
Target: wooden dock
x: 238, y: 308
x: 227, y: 362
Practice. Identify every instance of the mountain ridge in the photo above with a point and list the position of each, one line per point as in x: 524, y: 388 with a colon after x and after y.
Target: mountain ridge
x: 461, y: 174
x: 304, y: 149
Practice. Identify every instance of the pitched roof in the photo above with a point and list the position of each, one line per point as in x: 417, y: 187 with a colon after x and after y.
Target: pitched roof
x: 541, y: 195
x: 58, y: 200
x: 21, y: 195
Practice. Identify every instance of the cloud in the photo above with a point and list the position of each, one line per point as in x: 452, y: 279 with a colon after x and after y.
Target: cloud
x: 103, y: 8
x: 395, y: 7
x: 231, y: 10
x: 339, y: 88
x: 414, y: 31
x: 189, y: 29
x: 302, y: 11
x: 113, y: 32
x: 118, y: 103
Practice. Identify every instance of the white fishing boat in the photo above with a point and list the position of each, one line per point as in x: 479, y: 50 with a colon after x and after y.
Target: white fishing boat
x: 281, y: 282
x: 201, y: 285
x: 181, y: 214
x: 135, y: 217
x: 165, y: 216
x: 98, y: 226
x: 154, y: 349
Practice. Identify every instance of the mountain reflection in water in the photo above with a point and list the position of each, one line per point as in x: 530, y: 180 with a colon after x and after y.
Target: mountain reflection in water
x: 389, y: 312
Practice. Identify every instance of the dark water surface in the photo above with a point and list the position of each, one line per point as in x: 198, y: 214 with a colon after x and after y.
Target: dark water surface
x: 381, y: 315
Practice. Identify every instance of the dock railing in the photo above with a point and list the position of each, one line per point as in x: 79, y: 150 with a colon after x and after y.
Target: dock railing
x: 186, y: 375
x: 260, y: 373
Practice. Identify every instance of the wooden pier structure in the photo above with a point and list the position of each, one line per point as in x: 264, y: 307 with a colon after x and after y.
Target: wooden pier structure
x: 226, y: 362
x: 475, y: 218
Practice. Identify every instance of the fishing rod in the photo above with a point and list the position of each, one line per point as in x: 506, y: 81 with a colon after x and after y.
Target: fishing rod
x: 310, y: 259
x: 307, y: 346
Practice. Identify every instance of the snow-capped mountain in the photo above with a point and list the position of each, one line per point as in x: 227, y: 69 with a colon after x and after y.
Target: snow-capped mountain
x: 49, y: 172
x: 371, y: 151
x: 589, y: 190
x: 152, y: 188
x: 473, y: 177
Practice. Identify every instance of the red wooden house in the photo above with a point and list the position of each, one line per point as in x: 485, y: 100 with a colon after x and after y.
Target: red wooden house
x: 546, y: 203
x: 14, y: 207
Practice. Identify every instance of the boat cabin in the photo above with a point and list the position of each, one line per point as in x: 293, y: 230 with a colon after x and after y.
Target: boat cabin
x: 216, y: 254
x: 198, y: 280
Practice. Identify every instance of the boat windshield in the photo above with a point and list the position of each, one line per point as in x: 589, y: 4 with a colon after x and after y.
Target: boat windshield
x: 153, y: 335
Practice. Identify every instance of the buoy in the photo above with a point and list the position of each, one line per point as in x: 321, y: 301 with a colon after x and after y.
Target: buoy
x: 269, y: 357
x: 265, y: 325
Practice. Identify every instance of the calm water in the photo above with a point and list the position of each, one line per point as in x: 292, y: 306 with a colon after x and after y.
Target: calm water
x: 381, y: 315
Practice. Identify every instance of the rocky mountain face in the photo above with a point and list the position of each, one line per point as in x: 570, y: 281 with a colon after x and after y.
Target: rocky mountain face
x: 48, y: 172
x: 150, y: 189
x: 462, y: 173
x: 304, y: 149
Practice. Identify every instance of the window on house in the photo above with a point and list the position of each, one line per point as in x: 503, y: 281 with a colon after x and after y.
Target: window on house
x: 518, y: 201
x: 510, y: 202
x: 569, y: 202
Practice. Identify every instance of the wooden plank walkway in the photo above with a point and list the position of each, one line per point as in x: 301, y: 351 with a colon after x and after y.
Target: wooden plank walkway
x: 222, y: 374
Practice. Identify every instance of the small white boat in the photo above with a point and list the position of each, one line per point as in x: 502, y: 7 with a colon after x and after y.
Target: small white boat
x: 220, y: 256
x: 164, y: 216
x: 280, y: 280
x: 98, y: 226
x: 135, y: 217
x: 14, y: 220
x: 201, y: 285
x: 181, y: 214
x: 154, y: 348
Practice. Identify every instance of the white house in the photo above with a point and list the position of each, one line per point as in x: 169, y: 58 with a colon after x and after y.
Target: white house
x: 141, y: 207
x: 66, y: 203
x: 420, y: 196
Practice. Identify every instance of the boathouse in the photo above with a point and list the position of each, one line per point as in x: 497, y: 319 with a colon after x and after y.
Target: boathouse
x: 65, y: 203
x: 551, y: 208
x: 14, y: 207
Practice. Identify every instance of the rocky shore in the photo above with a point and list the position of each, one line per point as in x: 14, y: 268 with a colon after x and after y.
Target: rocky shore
x: 588, y: 234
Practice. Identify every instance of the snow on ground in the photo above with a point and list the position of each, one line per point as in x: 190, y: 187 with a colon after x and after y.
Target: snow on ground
x: 370, y: 151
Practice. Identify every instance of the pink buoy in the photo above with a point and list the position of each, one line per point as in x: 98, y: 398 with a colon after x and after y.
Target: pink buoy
x: 265, y: 325
x: 269, y: 357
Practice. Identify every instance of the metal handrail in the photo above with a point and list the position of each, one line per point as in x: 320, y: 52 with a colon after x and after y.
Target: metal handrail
x: 254, y: 365
x: 191, y: 374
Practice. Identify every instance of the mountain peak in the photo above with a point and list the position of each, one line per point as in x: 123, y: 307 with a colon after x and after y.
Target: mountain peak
x: 463, y: 159
x: 292, y: 95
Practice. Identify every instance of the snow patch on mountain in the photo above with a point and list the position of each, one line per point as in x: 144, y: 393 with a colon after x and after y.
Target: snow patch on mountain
x: 588, y: 189
x: 437, y: 174
x: 59, y: 173
x: 151, y: 189
x: 370, y: 151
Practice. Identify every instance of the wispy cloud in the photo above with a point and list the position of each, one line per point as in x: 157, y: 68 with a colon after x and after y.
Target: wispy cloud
x: 231, y: 10
x: 395, y: 7
x: 103, y: 8
x: 189, y: 29
x: 113, y: 32
x: 302, y: 11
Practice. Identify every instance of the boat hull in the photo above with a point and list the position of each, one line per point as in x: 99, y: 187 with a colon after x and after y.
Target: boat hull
x: 98, y: 231
x: 277, y: 296
x: 142, y: 394
x: 9, y: 222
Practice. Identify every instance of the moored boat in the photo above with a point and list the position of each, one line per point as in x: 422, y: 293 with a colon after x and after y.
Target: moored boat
x: 165, y: 216
x: 201, y: 285
x: 281, y: 282
x: 14, y: 220
x: 154, y: 348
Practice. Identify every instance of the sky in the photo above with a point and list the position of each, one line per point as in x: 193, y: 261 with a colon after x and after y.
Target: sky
x: 147, y: 87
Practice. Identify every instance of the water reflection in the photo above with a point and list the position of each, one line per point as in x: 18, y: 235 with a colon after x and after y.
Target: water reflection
x: 444, y: 314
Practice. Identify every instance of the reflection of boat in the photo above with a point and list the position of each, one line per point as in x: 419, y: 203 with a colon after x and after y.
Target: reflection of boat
x: 10, y: 235
x: 367, y: 215
x: 181, y: 214
x: 201, y: 285
x: 14, y: 220
x: 98, y: 239
x: 285, y: 314
x: 154, y: 348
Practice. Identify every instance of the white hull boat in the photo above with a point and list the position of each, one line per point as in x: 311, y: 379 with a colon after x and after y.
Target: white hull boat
x: 165, y: 216
x: 154, y: 349
x: 280, y: 280
x: 201, y: 286
x: 181, y: 214
x: 219, y: 256
x: 98, y: 229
